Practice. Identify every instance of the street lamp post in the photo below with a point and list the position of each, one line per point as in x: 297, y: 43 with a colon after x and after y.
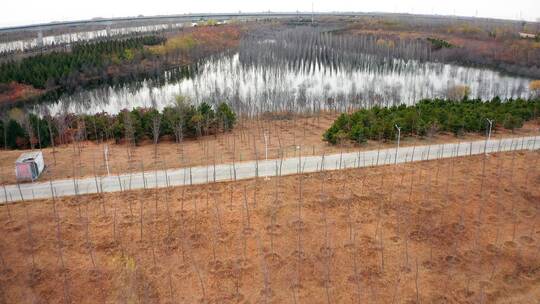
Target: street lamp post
x: 490, y: 121
x: 398, y: 139
x: 106, y: 154
x: 265, y: 146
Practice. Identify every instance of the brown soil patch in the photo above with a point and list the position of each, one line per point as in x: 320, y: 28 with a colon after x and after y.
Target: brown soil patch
x: 363, y: 235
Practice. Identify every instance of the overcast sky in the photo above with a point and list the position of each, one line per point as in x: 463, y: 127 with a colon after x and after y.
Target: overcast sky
x: 38, y: 11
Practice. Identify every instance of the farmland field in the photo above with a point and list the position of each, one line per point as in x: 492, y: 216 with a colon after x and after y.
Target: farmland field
x: 461, y: 230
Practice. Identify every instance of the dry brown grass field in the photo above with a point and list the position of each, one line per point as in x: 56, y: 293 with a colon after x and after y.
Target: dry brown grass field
x: 462, y: 230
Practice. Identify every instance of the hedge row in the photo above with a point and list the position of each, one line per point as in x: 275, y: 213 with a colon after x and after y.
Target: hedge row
x: 428, y: 117
x: 179, y: 121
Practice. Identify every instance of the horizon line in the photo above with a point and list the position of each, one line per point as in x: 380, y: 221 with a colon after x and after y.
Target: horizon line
x: 241, y: 13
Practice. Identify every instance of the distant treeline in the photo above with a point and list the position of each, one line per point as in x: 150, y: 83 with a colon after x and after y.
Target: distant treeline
x: 22, y: 130
x: 429, y: 117
x: 306, y: 48
x: 85, y: 60
x: 491, y: 43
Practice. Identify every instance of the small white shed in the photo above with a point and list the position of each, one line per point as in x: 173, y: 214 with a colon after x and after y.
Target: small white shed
x: 527, y: 36
x: 29, y: 166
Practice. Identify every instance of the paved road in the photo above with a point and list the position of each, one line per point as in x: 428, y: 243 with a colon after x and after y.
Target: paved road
x: 251, y: 169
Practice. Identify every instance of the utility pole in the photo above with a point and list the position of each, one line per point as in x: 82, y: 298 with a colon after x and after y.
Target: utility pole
x: 489, y: 134
x: 398, y: 139
x: 265, y: 146
x: 312, y: 13
x: 106, y: 154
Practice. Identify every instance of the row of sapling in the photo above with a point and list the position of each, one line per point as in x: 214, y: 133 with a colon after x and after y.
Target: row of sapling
x: 381, y: 238
x: 425, y: 178
x: 300, y: 226
x: 325, y: 249
x: 66, y: 294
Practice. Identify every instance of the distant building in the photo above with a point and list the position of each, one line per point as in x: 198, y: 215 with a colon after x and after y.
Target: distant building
x: 29, y: 166
x: 527, y: 36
